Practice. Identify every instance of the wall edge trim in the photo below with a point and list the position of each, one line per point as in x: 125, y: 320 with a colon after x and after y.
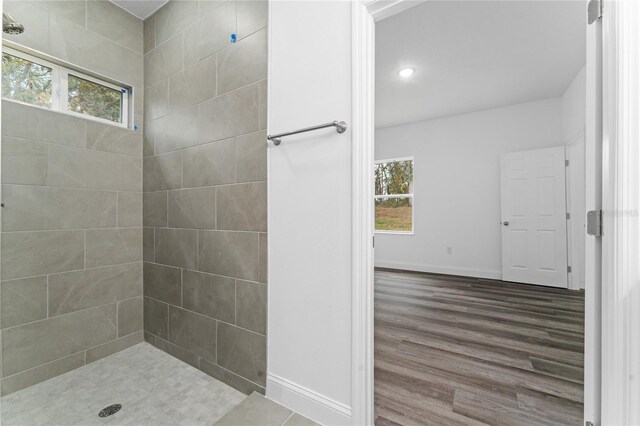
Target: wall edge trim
x: 448, y: 270
x: 307, y: 402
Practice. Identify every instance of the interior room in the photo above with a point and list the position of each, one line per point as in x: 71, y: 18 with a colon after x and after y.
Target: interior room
x: 480, y: 213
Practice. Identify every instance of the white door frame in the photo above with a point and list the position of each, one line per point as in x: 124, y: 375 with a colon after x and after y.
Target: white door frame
x: 364, y: 15
x: 621, y: 205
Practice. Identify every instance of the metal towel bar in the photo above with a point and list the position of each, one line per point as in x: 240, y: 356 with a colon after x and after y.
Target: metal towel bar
x: 340, y: 126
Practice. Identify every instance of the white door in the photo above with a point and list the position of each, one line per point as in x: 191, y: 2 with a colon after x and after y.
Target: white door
x: 534, y: 218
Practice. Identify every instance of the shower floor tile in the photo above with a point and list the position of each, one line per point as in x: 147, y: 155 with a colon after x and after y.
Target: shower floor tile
x: 153, y: 387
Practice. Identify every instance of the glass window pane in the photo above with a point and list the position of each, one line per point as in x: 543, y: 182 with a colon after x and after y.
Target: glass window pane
x: 87, y: 97
x: 393, y: 178
x: 394, y: 214
x: 26, y: 81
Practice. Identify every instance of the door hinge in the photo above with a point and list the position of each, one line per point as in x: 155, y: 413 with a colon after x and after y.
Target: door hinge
x: 374, y: 242
x: 568, y: 216
x: 594, y: 10
x: 588, y: 423
x: 568, y: 269
x: 594, y: 223
x: 566, y: 163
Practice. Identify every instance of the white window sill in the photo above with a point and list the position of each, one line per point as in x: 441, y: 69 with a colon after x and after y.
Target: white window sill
x: 395, y: 232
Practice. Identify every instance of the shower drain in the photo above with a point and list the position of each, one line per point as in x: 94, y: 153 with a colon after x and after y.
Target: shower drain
x: 112, y: 409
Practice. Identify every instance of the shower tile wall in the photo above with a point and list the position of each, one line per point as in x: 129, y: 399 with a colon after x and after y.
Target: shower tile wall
x: 205, y: 193
x: 71, y: 289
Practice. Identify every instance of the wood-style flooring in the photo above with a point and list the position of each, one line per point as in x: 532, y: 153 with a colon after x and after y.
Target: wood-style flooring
x: 457, y: 350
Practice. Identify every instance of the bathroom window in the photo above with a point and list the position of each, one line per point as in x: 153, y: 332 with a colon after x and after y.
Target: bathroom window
x: 394, y: 196
x: 36, y: 81
x: 27, y: 79
x: 86, y: 95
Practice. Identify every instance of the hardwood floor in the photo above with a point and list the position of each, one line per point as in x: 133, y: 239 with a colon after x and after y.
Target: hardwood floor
x: 456, y: 350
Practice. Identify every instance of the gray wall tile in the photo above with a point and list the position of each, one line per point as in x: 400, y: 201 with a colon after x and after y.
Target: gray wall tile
x: 113, y: 246
x: 163, y: 283
x: 242, y: 352
x: 110, y: 138
x: 251, y: 306
x: 210, y: 295
x: 242, y: 207
x: 115, y: 23
x: 263, y: 259
x: 193, y: 85
x: 27, y: 122
x: 148, y: 250
x: 23, y: 301
x: 234, y: 113
x: 34, y: 208
x: 156, y: 317
x: 243, y: 63
x: 33, y: 344
x: 156, y: 100
x: 251, y: 157
x: 149, y: 34
x: 192, y: 332
x: 148, y: 139
x: 83, y: 163
x: 163, y: 61
x: 149, y: 338
x: 163, y: 172
x: 176, y: 351
x: 210, y: 164
x: 176, y: 130
x: 77, y: 45
x: 129, y: 209
x: 232, y: 254
x: 176, y: 247
x: 77, y: 290
x: 155, y: 208
x: 262, y: 105
x: 206, y: 7
x: 211, y: 33
x: 27, y: 254
x: 252, y: 16
x: 23, y: 161
x: 130, y: 316
x: 205, y: 143
x: 73, y: 10
x: 232, y: 379
x: 75, y: 168
x: 173, y: 17
x: 114, y: 346
x: 41, y: 373
x: 192, y: 208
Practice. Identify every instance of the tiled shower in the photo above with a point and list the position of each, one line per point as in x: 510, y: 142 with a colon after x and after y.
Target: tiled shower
x: 154, y: 233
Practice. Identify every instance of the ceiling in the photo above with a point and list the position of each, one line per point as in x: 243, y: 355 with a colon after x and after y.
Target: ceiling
x: 140, y: 8
x: 475, y: 55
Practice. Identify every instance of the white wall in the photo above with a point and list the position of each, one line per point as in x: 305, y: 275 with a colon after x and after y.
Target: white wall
x: 574, y: 108
x: 574, y: 111
x: 309, y: 348
x: 457, y: 184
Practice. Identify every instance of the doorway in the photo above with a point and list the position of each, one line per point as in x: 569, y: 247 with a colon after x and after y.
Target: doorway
x: 453, y: 190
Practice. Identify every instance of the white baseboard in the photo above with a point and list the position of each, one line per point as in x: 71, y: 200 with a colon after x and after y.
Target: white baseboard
x: 311, y: 404
x: 465, y: 272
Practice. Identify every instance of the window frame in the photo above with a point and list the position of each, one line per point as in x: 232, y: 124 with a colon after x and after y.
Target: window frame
x: 60, y: 88
x: 382, y: 197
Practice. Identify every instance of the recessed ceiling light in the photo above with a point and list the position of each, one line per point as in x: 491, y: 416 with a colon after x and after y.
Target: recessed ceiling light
x: 406, y: 72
